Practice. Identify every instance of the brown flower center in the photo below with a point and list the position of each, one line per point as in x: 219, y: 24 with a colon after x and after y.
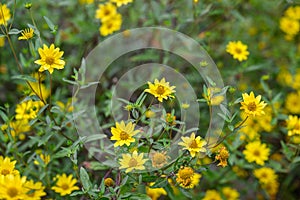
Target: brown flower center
x: 132, y: 162
x: 251, y: 106
x: 186, y: 173
x: 256, y: 153
x: 49, y: 60
x: 160, y: 90
x: 159, y: 158
x: 238, y: 51
x: 65, y: 186
x: 5, y: 172
x: 12, y: 191
x: 193, y: 144
x: 124, y: 135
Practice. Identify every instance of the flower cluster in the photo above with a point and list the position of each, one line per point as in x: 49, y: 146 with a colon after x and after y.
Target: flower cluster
x: 289, y: 22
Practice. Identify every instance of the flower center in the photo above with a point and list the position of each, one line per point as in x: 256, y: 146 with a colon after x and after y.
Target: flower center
x: 12, y: 192
x: 65, y: 186
x: 160, y: 90
x: 264, y: 175
x: 132, y: 162
x: 49, y: 60
x: 251, y: 106
x: 238, y: 50
x: 256, y: 153
x: 124, y: 135
x: 5, y: 172
x: 186, y: 173
x: 193, y: 144
x: 159, y: 158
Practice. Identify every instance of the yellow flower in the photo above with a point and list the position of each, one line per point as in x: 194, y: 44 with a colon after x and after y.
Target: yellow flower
x: 132, y: 162
x: 111, y: 25
x: 193, y: 144
x: 28, y: 109
x: 12, y: 187
x: 155, y: 193
x: 252, y: 105
x: 26, y: 34
x: 212, y: 195
x: 187, y: 178
x: 185, y: 105
x: 289, y: 26
x: 212, y: 97
x: 230, y: 193
x: 65, y: 107
x: 238, y: 50
x: 123, y: 133
x: 4, y: 14
x: 65, y: 184
x: 222, y: 156
x: 7, y: 167
x: 121, y: 2
x: 293, y: 125
x: 265, y: 175
x: 293, y: 12
x: 17, y: 127
x: 292, y: 103
x: 109, y: 182
x: 161, y: 89
x: 45, y: 158
x: 106, y: 11
x: 50, y: 58
x: 149, y: 114
x: 170, y: 119
x: 2, y: 41
x: 271, y: 188
x: 36, y: 190
x: 158, y: 159
x: 256, y: 152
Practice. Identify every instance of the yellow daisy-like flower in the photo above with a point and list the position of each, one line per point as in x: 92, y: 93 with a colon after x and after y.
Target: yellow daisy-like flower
x: 45, y: 158
x: 50, y: 58
x: 2, y: 41
x: 121, y: 2
x: 17, y: 127
x: 155, y: 193
x: 161, y: 89
x: 292, y: 103
x: 222, y: 156
x: 4, y: 14
x: 293, y: 12
x: 28, y: 110
x: 271, y: 188
x: 109, y: 182
x: 293, y: 125
x: 256, y: 152
x: 238, y: 50
x: 289, y: 26
x: 187, y: 177
x: 158, y: 159
x: 106, y: 11
x: 252, y: 105
x: 65, y: 184
x: 111, y: 25
x: 230, y: 193
x: 132, y: 162
x: 265, y: 175
x: 12, y: 187
x: 26, y: 34
x: 212, y: 195
x: 7, y: 166
x: 123, y: 133
x: 36, y: 190
x: 193, y: 144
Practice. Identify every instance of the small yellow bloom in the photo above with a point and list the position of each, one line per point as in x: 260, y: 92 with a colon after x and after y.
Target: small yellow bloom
x: 132, y: 161
x: 45, y: 158
x: 212, y: 97
x: 252, y: 105
x: 293, y: 12
x: 111, y: 25
x: 155, y: 193
x: 106, y: 12
x: 7, y: 167
x: 123, y: 133
x: 187, y: 178
x: 26, y: 34
x: 65, y: 184
x: 289, y: 26
x: 158, y: 159
x: 193, y: 144
x: 50, y: 58
x: 293, y: 125
x: 230, y: 193
x: 185, y: 105
x: 36, y: 190
x: 256, y: 152
x: 121, y: 2
x: 222, y: 156
x: 17, y: 127
x: 149, y: 114
x: 12, y: 187
x: 109, y: 182
x: 292, y: 103
x: 238, y: 50
x: 161, y: 89
x: 2, y: 41
x: 170, y: 119
x: 212, y: 195
x: 28, y: 110
x: 4, y: 14
x: 265, y: 175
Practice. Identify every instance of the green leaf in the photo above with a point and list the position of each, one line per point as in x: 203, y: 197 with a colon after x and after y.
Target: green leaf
x: 14, y: 31
x: 85, y: 180
x: 49, y: 23
x: 25, y: 78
